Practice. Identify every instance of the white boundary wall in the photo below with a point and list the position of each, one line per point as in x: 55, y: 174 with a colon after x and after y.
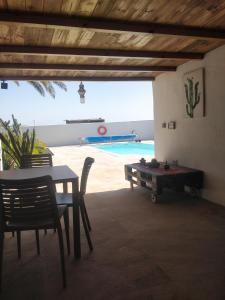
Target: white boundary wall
x: 71, y: 134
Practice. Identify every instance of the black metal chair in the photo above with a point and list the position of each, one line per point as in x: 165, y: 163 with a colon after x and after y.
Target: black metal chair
x: 30, y: 204
x: 67, y: 199
x: 36, y: 160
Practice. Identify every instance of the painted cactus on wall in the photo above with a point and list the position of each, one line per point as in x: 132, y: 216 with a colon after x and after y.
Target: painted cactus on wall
x: 192, y: 96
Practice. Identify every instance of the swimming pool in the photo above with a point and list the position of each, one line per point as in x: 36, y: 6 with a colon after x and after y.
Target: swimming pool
x: 129, y: 148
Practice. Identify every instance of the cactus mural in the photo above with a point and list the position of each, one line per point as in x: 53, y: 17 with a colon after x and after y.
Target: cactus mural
x: 192, y: 96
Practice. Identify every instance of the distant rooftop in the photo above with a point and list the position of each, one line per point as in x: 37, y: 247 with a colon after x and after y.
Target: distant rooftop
x: 85, y: 121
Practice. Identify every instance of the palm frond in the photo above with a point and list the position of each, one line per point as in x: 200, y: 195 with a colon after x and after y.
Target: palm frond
x: 16, y: 126
x: 38, y: 87
x: 9, y: 140
x: 61, y: 84
x: 45, y: 86
x: 16, y: 142
x: 49, y: 88
x: 32, y: 142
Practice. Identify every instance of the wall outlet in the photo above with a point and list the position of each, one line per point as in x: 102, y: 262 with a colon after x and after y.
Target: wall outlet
x: 172, y: 125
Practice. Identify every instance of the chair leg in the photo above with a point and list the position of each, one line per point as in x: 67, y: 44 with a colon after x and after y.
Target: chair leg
x: 54, y: 187
x: 37, y: 241
x: 18, y: 235
x: 13, y: 233
x: 86, y: 229
x: 45, y: 230
x: 1, y: 257
x: 66, y: 222
x: 61, y: 248
x: 86, y: 214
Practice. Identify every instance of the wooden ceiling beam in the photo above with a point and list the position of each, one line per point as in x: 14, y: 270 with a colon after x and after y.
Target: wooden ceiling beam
x: 96, y: 23
x: 40, y: 50
x: 86, y: 67
x: 75, y: 78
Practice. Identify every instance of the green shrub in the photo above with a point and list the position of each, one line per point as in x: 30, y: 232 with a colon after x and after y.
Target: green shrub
x: 16, y: 143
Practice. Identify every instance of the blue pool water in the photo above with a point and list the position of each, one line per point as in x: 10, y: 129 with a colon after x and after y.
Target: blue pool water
x: 128, y: 148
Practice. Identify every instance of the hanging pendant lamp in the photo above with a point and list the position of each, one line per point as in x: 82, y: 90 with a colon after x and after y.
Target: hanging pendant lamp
x: 82, y: 92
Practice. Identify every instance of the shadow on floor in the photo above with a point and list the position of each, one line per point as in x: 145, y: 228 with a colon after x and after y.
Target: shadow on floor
x: 173, y: 250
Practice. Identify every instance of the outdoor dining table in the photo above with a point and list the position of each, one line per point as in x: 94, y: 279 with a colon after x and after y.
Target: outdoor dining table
x: 60, y: 174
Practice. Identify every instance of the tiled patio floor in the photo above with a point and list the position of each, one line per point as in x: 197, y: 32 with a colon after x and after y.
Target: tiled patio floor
x: 175, y: 250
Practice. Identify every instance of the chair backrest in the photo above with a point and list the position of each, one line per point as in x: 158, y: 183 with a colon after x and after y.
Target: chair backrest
x: 86, y: 168
x: 36, y: 160
x: 26, y: 201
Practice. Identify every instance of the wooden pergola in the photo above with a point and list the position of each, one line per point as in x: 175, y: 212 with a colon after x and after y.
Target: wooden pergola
x: 105, y: 39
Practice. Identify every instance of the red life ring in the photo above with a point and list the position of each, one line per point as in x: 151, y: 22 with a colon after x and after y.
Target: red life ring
x: 102, y: 130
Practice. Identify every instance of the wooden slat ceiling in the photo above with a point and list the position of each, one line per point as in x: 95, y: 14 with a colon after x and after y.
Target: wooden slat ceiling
x: 105, y: 39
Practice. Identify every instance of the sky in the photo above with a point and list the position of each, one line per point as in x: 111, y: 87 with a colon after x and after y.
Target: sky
x: 112, y: 101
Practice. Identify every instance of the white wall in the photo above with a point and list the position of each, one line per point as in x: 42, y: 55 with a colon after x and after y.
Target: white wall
x: 70, y: 134
x: 197, y: 143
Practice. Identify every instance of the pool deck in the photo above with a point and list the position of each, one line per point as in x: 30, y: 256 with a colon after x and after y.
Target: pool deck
x: 107, y: 172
